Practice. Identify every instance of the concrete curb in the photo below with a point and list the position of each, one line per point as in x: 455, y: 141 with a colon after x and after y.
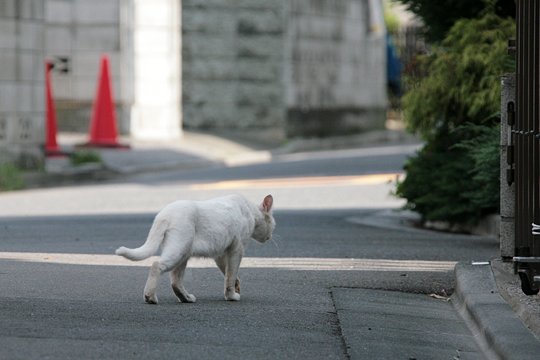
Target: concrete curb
x: 497, y: 329
x: 84, y: 174
x: 402, y: 220
x: 509, y: 284
x: 406, y: 220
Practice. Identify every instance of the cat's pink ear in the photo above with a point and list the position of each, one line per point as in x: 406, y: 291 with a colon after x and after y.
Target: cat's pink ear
x: 267, y: 203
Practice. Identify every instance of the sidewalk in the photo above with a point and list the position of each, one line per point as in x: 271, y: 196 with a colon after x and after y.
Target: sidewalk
x: 194, y: 150
x: 488, y: 296
x: 500, y: 333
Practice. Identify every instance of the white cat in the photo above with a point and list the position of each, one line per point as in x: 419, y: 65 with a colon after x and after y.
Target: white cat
x: 219, y: 228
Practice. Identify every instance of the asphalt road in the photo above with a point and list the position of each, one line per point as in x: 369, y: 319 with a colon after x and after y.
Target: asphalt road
x: 326, y: 287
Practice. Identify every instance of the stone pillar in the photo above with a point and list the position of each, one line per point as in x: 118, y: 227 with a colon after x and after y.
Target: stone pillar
x: 507, y: 237
x: 156, y: 113
x: 22, y: 92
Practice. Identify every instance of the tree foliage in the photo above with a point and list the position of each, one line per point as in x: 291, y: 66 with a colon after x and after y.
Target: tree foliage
x: 462, y: 82
x: 440, y: 16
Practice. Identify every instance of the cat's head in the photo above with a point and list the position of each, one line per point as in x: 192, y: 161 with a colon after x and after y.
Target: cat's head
x: 264, y: 226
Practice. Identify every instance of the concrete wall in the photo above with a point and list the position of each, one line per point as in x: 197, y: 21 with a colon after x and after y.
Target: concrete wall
x: 82, y: 31
x: 335, y: 67
x: 232, y: 57
x: 265, y: 67
x: 300, y: 67
x: 22, y: 109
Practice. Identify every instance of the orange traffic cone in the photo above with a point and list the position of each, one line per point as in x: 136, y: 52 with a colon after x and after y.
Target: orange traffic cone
x: 51, y: 145
x: 103, y: 130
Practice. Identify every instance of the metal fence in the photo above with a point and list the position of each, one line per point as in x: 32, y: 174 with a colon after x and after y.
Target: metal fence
x: 524, y: 152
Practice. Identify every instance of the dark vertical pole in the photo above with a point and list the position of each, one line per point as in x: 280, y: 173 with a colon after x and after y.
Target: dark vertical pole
x: 526, y: 134
x: 527, y: 146
x: 518, y: 128
x: 534, y: 106
x: 527, y: 126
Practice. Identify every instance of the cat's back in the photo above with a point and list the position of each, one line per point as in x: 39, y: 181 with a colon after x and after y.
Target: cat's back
x: 228, y: 200
x: 213, y: 223
x: 177, y: 212
x: 223, y: 206
x: 179, y: 206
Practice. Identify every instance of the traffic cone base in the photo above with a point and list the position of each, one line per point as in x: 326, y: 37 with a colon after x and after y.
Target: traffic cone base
x: 109, y: 145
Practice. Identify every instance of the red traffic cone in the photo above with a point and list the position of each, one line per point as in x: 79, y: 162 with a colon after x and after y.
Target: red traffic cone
x: 103, y: 130
x: 51, y: 145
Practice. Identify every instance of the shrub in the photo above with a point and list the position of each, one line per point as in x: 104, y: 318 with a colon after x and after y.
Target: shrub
x: 456, y: 183
x: 455, y: 107
x: 484, y: 153
x: 10, y: 177
x: 84, y: 157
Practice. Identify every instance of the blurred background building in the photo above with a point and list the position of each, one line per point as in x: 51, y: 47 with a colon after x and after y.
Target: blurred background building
x: 272, y: 68
x: 22, y: 94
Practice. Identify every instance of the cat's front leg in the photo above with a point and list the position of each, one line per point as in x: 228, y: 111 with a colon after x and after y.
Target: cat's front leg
x: 231, y: 276
x: 221, y: 262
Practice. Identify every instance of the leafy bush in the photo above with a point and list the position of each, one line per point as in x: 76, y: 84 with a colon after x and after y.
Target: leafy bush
x: 484, y: 152
x: 84, y: 157
x: 10, y: 177
x: 456, y: 183
x: 463, y: 78
x: 455, y: 107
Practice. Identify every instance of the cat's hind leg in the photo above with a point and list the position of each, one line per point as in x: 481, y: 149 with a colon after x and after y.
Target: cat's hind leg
x: 175, y: 252
x: 151, y: 283
x: 157, y: 269
x: 177, y: 276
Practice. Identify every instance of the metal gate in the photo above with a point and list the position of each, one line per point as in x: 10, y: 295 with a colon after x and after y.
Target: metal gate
x: 525, y: 149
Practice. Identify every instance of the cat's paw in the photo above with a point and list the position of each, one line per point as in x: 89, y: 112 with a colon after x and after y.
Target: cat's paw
x: 151, y: 299
x: 183, y: 296
x: 232, y: 296
x: 189, y: 298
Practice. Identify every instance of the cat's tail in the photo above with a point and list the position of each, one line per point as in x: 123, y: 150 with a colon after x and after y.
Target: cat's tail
x: 150, y: 247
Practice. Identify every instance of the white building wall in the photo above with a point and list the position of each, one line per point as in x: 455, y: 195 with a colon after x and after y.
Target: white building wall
x: 156, y: 112
x: 22, y: 109
x: 83, y: 30
x: 142, y: 40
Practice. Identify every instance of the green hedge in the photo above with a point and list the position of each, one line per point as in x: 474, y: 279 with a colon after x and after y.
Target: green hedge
x: 453, y: 180
x: 455, y: 107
